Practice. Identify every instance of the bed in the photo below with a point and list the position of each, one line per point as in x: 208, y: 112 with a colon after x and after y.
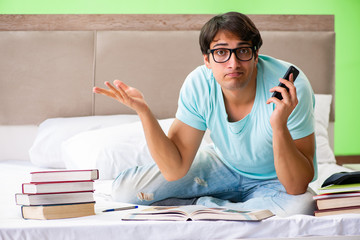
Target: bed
x: 49, y: 118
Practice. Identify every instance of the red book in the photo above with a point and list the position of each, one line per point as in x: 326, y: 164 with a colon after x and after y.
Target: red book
x: 65, y: 175
x: 337, y: 200
x: 57, y: 187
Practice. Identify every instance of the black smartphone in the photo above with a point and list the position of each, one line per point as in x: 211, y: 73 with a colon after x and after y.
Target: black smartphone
x: 295, y: 73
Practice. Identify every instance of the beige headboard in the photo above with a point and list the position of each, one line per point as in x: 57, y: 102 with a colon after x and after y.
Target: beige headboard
x: 49, y: 63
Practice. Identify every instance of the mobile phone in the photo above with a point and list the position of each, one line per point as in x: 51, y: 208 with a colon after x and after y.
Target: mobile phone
x: 295, y: 73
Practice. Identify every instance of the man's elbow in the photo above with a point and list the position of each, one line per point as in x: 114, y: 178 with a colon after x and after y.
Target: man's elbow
x: 296, y: 190
x: 297, y: 187
x: 171, y: 177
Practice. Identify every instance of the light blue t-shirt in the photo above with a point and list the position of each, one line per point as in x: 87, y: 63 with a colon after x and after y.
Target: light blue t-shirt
x: 245, y: 146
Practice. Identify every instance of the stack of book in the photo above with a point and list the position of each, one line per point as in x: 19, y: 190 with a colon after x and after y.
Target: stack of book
x: 338, y: 199
x: 58, y: 194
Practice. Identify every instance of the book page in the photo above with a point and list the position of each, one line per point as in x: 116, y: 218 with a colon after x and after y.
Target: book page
x: 196, y: 212
x: 230, y: 214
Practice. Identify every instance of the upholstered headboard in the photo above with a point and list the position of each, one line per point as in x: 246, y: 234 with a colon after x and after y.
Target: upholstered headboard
x: 49, y: 63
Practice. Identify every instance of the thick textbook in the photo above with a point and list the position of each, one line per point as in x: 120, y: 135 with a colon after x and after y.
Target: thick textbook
x: 337, y: 200
x: 335, y: 211
x: 65, y: 175
x: 57, y: 187
x: 53, y: 198
x: 58, y: 211
x: 195, y: 213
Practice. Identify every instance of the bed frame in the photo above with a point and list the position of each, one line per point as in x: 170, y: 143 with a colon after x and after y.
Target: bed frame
x: 50, y: 63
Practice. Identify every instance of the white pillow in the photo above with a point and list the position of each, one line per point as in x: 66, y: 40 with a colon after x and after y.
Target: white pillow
x: 111, y: 150
x: 324, y: 153
x: 46, y: 149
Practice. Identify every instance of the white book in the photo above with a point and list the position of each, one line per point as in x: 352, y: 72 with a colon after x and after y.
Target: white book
x: 57, y: 187
x: 65, y: 175
x: 53, y: 198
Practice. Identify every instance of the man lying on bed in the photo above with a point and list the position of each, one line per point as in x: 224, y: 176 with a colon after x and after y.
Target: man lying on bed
x: 263, y: 155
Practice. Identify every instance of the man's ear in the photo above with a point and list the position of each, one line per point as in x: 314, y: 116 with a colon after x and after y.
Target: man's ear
x: 256, y: 56
x: 207, y: 60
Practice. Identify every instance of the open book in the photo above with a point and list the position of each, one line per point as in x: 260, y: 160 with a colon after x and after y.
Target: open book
x: 195, y: 213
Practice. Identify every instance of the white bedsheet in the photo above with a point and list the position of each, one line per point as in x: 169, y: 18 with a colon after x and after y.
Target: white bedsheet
x: 109, y: 225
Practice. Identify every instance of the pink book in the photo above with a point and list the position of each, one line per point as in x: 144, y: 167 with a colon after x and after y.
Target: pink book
x: 65, y: 175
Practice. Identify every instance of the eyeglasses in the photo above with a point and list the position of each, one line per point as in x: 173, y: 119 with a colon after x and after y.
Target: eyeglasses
x: 221, y: 55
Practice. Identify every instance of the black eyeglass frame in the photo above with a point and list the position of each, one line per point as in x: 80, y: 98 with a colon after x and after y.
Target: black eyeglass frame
x: 233, y: 50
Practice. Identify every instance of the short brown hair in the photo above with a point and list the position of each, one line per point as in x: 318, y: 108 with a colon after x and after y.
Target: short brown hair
x: 234, y: 22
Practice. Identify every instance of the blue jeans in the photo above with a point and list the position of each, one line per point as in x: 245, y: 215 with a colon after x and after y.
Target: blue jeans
x: 214, y: 184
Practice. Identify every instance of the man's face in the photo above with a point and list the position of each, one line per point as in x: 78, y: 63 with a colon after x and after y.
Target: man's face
x: 232, y: 74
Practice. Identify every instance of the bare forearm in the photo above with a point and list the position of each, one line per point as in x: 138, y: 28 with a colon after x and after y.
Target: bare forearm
x: 294, y: 169
x: 164, y: 152
x: 293, y: 159
x: 172, y: 155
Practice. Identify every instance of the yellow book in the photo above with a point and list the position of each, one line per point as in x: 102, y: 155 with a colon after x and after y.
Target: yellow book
x: 340, y: 188
x: 58, y: 211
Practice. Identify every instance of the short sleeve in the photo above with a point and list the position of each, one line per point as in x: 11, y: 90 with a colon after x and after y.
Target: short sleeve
x: 192, y: 98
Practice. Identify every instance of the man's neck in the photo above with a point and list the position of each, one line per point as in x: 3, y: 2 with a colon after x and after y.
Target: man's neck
x: 239, y: 102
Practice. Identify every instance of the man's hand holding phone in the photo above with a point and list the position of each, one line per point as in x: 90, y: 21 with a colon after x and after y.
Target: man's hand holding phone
x: 292, y: 70
x: 284, y: 97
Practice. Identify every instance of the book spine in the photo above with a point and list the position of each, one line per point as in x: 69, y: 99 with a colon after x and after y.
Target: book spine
x: 52, y: 198
x: 54, y: 182
x: 66, y: 175
x: 33, y: 187
x: 22, y: 212
x: 337, y: 209
x: 57, y: 171
x: 61, y: 208
x: 30, y: 194
x: 62, y: 204
x: 57, y: 192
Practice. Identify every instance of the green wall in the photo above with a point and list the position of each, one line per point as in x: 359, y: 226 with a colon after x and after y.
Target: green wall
x: 347, y: 27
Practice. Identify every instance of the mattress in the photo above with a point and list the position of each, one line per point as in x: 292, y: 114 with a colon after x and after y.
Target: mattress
x: 109, y: 225
x: 113, y: 143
